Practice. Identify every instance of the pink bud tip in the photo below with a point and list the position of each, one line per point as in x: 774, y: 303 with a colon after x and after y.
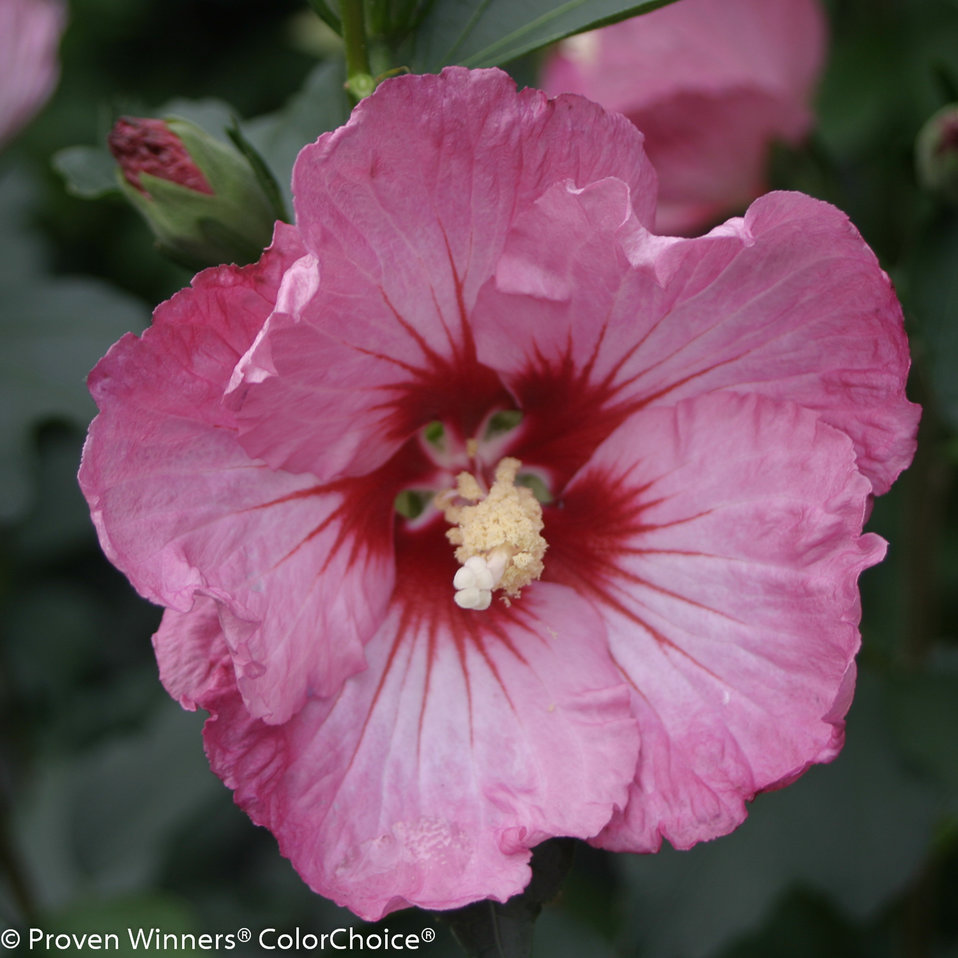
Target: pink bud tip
x: 150, y: 146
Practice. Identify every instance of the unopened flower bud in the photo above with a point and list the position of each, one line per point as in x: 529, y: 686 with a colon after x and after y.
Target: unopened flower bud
x: 144, y: 145
x: 200, y: 196
x: 937, y: 153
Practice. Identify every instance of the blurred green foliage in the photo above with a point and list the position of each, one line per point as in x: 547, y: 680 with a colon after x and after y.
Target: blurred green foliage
x: 109, y: 816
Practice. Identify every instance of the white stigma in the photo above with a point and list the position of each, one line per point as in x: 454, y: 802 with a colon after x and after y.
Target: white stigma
x: 477, y: 577
x: 498, y: 537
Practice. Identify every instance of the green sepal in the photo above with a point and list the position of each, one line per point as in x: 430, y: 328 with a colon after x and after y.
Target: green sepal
x: 264, y: 175
x: 491, y: 929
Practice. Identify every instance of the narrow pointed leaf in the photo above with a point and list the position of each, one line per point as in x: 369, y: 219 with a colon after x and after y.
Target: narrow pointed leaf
x: 492, y: 32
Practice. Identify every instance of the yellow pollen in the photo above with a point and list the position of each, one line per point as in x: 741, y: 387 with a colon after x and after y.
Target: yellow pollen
x: 498, y: 537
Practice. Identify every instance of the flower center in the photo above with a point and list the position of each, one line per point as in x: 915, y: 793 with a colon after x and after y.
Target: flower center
x: 497, y: 534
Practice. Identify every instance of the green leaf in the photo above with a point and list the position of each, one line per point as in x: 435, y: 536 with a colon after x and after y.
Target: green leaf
x: 89, y: 922
x: 320, y: 106
x: 54, y: 329
x: 492, y: 32
x: 561, y: 935
x: 212, y: 115
x: 98, y: 821
x: 800, y: 926
x: 855, y: 831
x: 89, y: 171
x: 327, y: 15
x: 923, y: 707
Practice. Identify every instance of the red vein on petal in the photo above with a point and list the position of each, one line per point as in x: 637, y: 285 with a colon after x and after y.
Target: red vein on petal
x: 657, y: 636
x: 652, y: 587
x: 350, y: 516
x: 665, y: 390
x: 479, y: 643
x: 427, y: 685
x: 467, y: 677
x: 387, y: 668
x: 590, y: 536
x: 430, y: 354
x: 385, y: 357
x: 465, y: 328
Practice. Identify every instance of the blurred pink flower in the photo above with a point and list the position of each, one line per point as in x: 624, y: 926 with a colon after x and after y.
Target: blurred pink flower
x: 712, y: 84
x: 705, y: 422
x: 29, y: 38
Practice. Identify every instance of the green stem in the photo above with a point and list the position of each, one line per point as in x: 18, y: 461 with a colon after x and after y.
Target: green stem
x: 359, y: 81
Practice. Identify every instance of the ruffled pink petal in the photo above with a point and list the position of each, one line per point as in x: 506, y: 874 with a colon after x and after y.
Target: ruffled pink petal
x: 722, y: 541
x: 194, y: 660
x: 183, y: 511
x: 405, y: 210
x: 712, y: 84
x: 470, y: 738
x: 788, y: 302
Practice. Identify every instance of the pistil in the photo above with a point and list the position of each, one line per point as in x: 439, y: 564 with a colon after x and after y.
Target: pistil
x: 497, y: 535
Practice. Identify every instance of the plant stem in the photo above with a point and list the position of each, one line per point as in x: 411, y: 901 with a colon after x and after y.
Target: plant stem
x: 359, y: 81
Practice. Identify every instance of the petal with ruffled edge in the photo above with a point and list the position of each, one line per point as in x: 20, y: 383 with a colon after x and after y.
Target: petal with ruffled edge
x: 194, y: 660
x: 722, y: 541
x: 183, y: 510
x: 788, y: 302
x: 405, y: 210
x: 470, y: 739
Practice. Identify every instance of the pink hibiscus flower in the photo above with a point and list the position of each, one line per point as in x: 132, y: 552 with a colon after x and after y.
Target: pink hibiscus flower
x: 712, y: 84
x: 416, y: 668
x: 29, y: 36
